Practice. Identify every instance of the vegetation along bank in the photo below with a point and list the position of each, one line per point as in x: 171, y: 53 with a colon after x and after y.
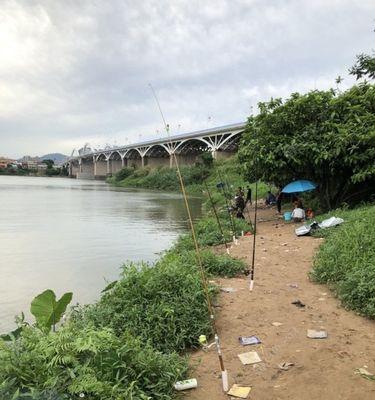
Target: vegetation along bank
x: 131, y: 344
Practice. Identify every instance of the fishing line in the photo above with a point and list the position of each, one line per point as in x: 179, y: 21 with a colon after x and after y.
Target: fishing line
x: 217, y: 218
x: 224, y: 373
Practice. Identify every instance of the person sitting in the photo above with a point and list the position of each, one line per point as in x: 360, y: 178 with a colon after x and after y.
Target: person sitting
x: 270, y: 199
x: 298, y: 214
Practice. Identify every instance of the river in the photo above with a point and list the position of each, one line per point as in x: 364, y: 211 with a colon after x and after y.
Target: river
x: 73, y: 235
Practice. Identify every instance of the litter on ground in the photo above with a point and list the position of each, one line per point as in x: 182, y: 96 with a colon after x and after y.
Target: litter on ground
x: 276, y: 323
x: 285, y: 366
x: 365, y: 374
x: 239, y: 391
x: 293, y: 285
x: 228, y: 289
x: 247, y: 340
x: 298, y: 303
x: 313, y: 334
x: 251, y: 357
x: 186, y: 384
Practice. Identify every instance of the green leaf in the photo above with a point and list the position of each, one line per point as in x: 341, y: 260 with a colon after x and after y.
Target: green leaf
x: 109, y: 286
x: 46, y: 310
x: 11, y: 335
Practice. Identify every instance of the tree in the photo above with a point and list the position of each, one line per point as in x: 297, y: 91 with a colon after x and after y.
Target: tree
x: 323, y: 136
x: 364, y: 67
x: 49, y: 163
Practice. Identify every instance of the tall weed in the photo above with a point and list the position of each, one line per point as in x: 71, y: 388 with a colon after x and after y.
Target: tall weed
x: 346, y: 260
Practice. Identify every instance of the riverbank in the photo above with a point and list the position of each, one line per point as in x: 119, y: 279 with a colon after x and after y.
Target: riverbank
x: 196, y: 177
x: 322, y: 369
x: 133, y: 342
x: 125, y: 345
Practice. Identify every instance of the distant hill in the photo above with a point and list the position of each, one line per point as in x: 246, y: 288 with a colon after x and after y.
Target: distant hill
x: 57, y: 158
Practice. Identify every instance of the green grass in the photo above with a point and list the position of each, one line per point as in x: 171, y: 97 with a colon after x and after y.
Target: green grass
x: 346, y: 259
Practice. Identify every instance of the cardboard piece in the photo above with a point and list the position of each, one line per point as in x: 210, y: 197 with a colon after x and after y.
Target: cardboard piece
x: 239, y: 391
x: 313, y: 334
x: 251, y: 357
x: 246, y: 340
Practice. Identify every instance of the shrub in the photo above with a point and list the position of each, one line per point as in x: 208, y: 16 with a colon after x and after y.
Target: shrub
x: 213, y: 264
x: 346, y: 260
x: 123, y: 173
x: 85, y: 361
x: 164, y: 305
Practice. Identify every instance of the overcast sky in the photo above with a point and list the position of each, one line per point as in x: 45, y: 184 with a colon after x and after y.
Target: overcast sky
x: 73, y: 71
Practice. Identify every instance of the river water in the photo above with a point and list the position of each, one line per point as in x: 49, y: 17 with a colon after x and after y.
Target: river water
x: 73, y: 235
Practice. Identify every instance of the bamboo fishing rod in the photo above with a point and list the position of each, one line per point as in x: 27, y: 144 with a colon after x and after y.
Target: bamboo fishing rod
x: 228, y: 210
x: 224, y: 373
x: 217, y: 217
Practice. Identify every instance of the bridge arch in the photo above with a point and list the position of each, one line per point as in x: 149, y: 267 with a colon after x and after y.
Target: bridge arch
x: 193, y: 146
x: 101, y: 157
x: 157, y: 150
x: 115, y: 155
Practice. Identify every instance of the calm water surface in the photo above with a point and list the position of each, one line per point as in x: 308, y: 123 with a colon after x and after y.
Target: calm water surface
x: 73, y: 235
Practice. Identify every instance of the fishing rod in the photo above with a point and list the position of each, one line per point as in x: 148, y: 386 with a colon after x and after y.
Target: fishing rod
x: 228, y: 209
x: 254, y: 237
x: 217, y: 217
x: 224, y: 373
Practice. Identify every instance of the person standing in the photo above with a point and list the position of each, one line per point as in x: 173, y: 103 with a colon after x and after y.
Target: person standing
x: 248, y: 195
x: 279, y: 198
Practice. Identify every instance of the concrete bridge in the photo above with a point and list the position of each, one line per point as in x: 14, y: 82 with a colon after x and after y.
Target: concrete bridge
x: 221, y: 142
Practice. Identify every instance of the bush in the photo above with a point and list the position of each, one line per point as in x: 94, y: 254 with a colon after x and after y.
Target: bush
x: 164, y: 305
x: 213, y: 264
x: 123, y: 173
x: 346, y: 260
x: 85, y: 361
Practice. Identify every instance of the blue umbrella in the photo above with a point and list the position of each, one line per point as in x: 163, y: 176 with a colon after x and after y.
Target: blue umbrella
x: 299, y: 186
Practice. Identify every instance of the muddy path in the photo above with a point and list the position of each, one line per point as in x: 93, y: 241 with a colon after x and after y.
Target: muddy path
x: 323, y: 368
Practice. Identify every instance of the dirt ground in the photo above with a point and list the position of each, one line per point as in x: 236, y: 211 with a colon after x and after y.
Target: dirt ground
x: 323, y: 368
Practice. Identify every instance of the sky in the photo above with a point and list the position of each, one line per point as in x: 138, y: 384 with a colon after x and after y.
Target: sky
x: 75, y: 72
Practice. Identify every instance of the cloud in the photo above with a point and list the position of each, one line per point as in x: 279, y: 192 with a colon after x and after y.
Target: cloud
x: 74, y: 72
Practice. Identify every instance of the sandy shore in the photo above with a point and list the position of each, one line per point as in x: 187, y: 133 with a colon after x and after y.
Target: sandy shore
x: 323, y: 368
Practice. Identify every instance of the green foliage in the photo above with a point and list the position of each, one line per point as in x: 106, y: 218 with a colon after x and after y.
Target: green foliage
x: 78, y: 361
x: 207, y: 159
x: 47, y: 311
x: 364, y: 67
x: 213, y: 264
x: 164, y: 305
x: 123, y: 174
x: 49, y: 163
x: 346, y: 259
x: 161, y: 178
x: 323, y: 136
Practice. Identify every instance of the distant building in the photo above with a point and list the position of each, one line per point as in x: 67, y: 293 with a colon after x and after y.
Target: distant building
x: 5, y: 162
